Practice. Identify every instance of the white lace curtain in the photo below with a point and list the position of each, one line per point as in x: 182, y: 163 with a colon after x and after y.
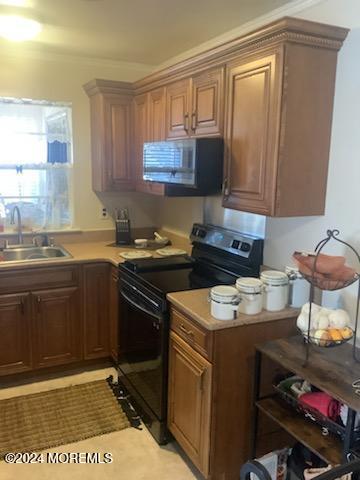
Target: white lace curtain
x: 36, y: 162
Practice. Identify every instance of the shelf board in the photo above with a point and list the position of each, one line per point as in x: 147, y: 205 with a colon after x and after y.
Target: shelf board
x: 328, y: 448
x: 332, y: 370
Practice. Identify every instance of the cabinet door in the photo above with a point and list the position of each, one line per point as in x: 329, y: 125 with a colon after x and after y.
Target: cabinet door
x: 114, y: 314
x: 156, y: 102
x: 189, y: 401
x: 15, y: 346
x: 96, y: 310
x: 251, y: 135
x: 156, y: 133
x: 177, y: 109
x: 57, y: 327
x: 118, y: 142
x: 140, y: 133
x: 207, y: 99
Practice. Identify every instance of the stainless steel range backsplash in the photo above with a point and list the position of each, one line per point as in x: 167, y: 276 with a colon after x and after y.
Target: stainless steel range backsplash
x: 244, y: 222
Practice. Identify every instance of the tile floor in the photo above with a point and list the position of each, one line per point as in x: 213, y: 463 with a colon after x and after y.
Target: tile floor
x: 136, y: 456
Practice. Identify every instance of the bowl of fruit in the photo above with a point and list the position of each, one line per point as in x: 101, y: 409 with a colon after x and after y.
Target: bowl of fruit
x: 328, y: 327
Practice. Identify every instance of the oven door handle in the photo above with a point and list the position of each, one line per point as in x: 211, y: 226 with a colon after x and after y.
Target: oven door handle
x: 138, y: 307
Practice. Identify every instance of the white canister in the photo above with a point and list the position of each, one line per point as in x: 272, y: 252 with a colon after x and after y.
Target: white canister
x: 276, y: 290
x: 250, y: 290
x: 224, y: 302
x: 299, y: 288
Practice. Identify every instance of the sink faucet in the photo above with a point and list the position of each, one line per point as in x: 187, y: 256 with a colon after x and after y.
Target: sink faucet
x: 12, y: 222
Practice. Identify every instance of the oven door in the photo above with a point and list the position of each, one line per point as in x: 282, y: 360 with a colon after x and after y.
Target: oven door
x: 143, y: 340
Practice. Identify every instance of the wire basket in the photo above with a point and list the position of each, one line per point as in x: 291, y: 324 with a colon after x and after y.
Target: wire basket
x: 326, y: 342
x: 328, y: 283
x: 327, y: 425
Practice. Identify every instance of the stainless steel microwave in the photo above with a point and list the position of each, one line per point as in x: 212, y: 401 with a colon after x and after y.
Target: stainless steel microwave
x: 191, y: 166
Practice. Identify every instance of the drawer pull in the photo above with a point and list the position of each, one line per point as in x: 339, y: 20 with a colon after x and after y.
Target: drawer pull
x: 190, y: 333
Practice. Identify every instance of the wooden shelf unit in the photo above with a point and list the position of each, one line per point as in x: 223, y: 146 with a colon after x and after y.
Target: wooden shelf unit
x: 332, y: 370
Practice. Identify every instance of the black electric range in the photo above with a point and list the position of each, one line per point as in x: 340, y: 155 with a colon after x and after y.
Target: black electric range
x: 218, y: 256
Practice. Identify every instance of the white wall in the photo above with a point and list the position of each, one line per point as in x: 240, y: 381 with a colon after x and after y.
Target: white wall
x: 60, y: 78
x: 283, y: 236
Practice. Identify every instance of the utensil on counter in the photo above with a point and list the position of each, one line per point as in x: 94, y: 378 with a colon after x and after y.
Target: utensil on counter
x: 169, y: 252
x: 135, y: 254
x: 122, y: 227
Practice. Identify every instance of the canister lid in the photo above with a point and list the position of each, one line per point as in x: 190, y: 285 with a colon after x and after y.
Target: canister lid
x: 274, y: 277
x: 224, y: 290
x: 249, y: 285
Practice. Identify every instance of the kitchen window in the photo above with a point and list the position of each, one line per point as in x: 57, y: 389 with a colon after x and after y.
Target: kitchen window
x: 36, y: 163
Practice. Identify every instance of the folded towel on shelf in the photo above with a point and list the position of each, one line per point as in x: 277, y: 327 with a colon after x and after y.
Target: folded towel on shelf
x: 322, y: 402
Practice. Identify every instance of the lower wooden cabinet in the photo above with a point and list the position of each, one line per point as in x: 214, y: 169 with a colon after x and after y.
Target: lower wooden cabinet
x: 190, y: 401
x: 15, y: 340
x: 96, y: 310
x: 114, y: 314
x: 56, y: 327
x: 52, y: 316
x: 210, y: 399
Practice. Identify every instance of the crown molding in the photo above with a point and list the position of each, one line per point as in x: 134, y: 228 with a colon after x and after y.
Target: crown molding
x: 35, y: 54
x: 291, y: 9
x: 279, y: 32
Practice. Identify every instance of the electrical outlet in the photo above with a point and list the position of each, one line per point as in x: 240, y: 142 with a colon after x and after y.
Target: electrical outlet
x: 104, y: 214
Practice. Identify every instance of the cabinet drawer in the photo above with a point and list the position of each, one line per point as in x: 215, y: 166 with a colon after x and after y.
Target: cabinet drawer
x: 200, y: 339
x: 38, y: 278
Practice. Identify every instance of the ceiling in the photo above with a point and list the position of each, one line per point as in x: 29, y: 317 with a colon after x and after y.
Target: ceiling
x: 142, y: 31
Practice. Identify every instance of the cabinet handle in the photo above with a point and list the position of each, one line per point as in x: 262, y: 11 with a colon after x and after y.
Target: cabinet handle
x: 186, y: 122
x: 193, y: 121
x: 190, y: 333
x: 225, y: 187
x: 22, y: 306
x: 202, y: 376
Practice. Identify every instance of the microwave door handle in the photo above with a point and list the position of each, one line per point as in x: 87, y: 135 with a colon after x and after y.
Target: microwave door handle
x: 138, y: 307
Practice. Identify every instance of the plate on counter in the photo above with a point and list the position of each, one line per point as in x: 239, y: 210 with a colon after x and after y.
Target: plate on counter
x: 135, y: 254
x: 169, y: 252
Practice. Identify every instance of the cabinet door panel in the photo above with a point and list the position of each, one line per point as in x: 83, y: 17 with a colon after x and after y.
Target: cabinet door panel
x: 15, y: 343
x: 57, y: 334
x: 177, y: 109
x: 189, y: 401
x: 96, y: 310
x: 207, y: 103
x: 117, y: 142
x: 253, y: 106
x: 140, y: 134
x: 114, y: 314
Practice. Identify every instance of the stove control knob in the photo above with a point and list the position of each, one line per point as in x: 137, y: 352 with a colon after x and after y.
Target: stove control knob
x: 245, y: 247
x: 202, y: 233
x: 194, y: 231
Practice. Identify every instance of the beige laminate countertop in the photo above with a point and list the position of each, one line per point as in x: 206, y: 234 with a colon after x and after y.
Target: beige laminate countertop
x: 80, y: 253
x: 194, y: 303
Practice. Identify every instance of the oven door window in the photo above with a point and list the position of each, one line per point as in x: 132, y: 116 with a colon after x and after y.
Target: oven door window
x: 141, y: 357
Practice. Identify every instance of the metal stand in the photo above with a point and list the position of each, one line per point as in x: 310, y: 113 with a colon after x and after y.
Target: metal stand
x: 332, y: 235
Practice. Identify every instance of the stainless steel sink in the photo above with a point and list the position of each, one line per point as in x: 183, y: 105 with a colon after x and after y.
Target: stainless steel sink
x: 26, y: 253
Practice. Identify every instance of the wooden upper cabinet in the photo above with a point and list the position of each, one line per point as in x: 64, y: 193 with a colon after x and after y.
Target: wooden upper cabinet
x: 15, y: 337
x: 110, y: 110
x: 56, y: 326
x: 278, y: 129
x: 189, y: 410
x: 207, y: 98
x: 178, y: 109
x: 195, y: 106
x: 251, y: 134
